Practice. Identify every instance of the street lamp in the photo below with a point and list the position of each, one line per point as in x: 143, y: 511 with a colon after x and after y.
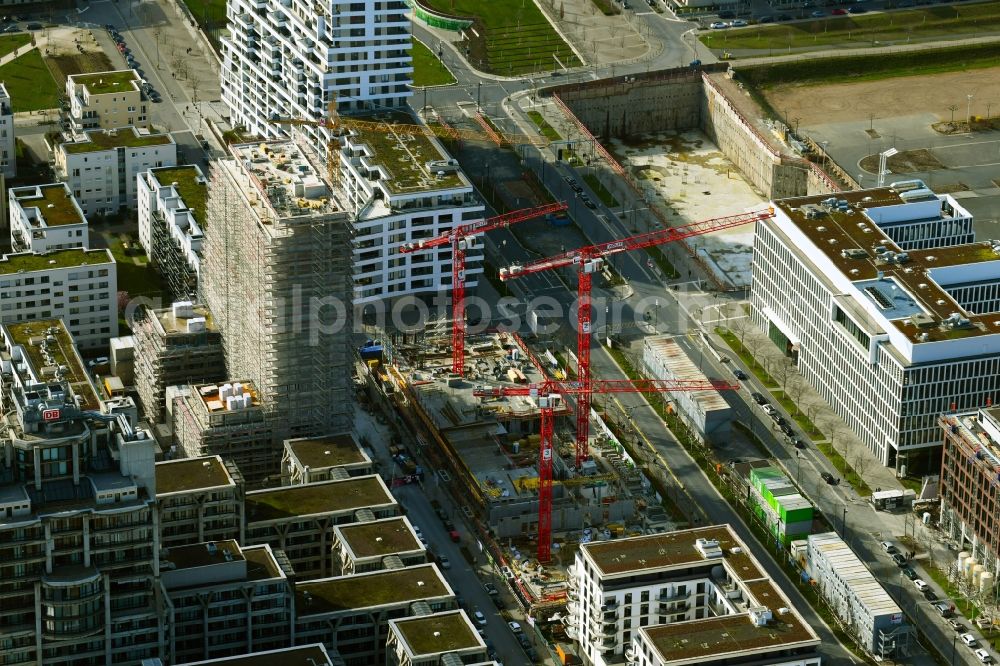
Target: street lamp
x: 883, y: 164
x: 968, y: 111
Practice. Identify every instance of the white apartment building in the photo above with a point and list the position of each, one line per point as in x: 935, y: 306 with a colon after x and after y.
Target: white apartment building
x: 694, y: 596
x: 106, y: 100
x: 856, y: 596
x: 101, y: 168
x: 884, y: 304
x: 171, y: 202
x: 292, y: 58
x: 44, y: 218
x: 8, y: 154
x: 404, y: 188
x: 78, y: 286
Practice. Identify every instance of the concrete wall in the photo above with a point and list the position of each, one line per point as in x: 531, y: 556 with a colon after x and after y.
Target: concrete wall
x: 681, y: 99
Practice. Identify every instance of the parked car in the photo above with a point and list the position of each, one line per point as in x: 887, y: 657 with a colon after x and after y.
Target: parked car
x: 784, y: 17
x: 778, y: 419
x: 899, y: 560
x: 739, y: 23
x: 768, y: 409
x: 798, y: 443
x: 12, y: 28
x: 829, y: 478
x: 929, y: 595
x: 983, y: 656
x: 787, y: 429
x: 480, y: 618
x: 491, y: 589
x: 888, y: 547
x: 444, y: 562
x: 765, y: 19
x: 758, y: 398
x: 819, y: 13
x: 957, y: 626
x: 727, y: 14
x: 515, y: 627
x: 920, y: 584
x: 839, y: 11
x: 910, y: 573
x: 589, y: 204
x: 34, y: 26
x: 944, y: 609
x: 718, y: 25
x: 856, y: 9
x: 739, y: 374
x: 969, y: 640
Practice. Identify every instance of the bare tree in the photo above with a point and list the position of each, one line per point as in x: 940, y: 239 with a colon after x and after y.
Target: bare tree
x: 780, y: 372
x: 795, y: 387
x: 740, y: 326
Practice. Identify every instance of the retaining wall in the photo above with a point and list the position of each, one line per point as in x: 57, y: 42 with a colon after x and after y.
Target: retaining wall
x: 682, y: 99
x: 437, y: 19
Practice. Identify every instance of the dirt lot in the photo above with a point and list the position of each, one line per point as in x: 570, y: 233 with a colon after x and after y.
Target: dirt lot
x: 74, y: 51
x: 846, y: 102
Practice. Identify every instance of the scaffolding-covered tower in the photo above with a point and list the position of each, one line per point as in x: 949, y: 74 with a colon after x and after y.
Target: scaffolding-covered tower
x: 229, y: 421
x: 277, y: 275
x: 178, y: 345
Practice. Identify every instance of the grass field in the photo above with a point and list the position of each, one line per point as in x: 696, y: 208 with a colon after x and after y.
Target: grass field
x: 872, y: 67
x: 211, y: 13
x: 547, y: 130
x: 602, y: 192
x: 514, y: 36
x: 859, y: 30
x: 427, y: 69
x: 29, y: 83
x: 10, y: 43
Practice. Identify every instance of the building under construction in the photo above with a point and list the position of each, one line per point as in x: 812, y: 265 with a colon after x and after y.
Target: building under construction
x: 277, y: 276
x: 228, y: 421
x: 178, y: 345
x: 489, y: 452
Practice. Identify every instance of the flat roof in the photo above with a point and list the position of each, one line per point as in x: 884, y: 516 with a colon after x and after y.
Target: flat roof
x: 178, y: 324
x: 189, y: 474
x: 28, y: 261
x: 379, y: 538
x: 285, y: 177
x: 314, y: 498
x: 55, y: 203
x: 438, y: 633
x: 327, y: 451
x: 672, y: 549
x: 100, y: 83
x: 404, y: 155
x: 204, y: 554
x: 853, y: 573
x: 261, y: 563
x: 63, y: 353
x: 212, y: 399
x: 369, y: 590
x: 303, y: 655
x: 120, y: 138
x: 728, y: 634
x: 191, y: 187
x: 852, y: 240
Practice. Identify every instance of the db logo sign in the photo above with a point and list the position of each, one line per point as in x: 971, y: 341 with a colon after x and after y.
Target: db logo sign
x: 50, y: 414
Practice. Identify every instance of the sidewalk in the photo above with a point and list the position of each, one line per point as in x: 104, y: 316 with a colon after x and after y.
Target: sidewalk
x: 780, y: 368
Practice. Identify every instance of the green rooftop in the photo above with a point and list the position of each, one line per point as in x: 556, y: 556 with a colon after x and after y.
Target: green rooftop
x: 100, y: 83
x: 63, y: 353
x: 404, y: 156
x: 107, y: 140
x: 191, y: 474
x: 379, y: 538
x: 193, y: 193
x: 434, y: 634
x: 330, y: 451
x: 315, y: 498
x: 27, y: 261
x: 56, y: 204
x: 380, y: 588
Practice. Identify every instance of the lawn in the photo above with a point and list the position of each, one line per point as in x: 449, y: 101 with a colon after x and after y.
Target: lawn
x: 857, y: 30
x: 137, y: 279
x: 30, y: 83
x: 602, y: 192
x: 746, y: 357
x: 211, y: 17
x: 10, y: 43
x: 514, y: 37
x: 667, y: 268
x: 428, y: 70
x: 547, y: 130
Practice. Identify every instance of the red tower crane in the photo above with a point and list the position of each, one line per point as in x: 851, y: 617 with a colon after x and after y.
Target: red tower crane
x: 461, y: 239
x: 548, y: 395
x: 589, y: 260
